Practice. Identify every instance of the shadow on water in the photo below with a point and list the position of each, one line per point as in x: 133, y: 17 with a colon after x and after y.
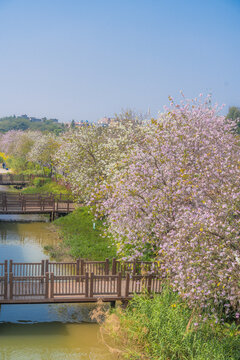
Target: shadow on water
x: 38, y: 329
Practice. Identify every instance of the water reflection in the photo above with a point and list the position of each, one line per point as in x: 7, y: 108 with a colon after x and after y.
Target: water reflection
x: 51, y: 341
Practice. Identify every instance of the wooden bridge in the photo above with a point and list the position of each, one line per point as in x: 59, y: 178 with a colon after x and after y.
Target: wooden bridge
x: 76, y: 282
x: 13, y: 179
x: 16, y: 203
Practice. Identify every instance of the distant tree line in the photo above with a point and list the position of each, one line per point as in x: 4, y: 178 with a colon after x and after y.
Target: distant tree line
x: 21, y: 123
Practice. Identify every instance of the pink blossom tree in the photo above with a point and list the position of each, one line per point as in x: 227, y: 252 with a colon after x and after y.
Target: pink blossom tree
x: 178, y: 202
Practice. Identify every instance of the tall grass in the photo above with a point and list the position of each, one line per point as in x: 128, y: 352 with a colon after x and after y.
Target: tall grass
x: 165, y: 328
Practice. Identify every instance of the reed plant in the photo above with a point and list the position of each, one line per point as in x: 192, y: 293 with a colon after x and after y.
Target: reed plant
x: 165, y: 328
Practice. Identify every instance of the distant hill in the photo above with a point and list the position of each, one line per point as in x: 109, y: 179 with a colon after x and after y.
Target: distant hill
x: 24, y: 123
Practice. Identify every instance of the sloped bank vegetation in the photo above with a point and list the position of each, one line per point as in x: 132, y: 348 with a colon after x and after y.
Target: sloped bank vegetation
x: 164, y: 327
x: 82, y: 237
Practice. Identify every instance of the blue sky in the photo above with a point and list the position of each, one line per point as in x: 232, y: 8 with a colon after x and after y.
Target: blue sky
x: 75, y: 59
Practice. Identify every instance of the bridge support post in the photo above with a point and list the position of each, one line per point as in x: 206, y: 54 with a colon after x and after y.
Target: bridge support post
x: 113, y: 304
x: 52, y: 216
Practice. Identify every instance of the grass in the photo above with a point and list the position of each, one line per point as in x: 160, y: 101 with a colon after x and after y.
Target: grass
x: 80, y: 238
x: 165, y: 328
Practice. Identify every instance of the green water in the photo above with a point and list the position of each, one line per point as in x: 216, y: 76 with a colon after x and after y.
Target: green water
x: 35, y: 332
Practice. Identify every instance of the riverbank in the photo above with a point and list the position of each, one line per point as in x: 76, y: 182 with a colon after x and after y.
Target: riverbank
x: 82, y: 236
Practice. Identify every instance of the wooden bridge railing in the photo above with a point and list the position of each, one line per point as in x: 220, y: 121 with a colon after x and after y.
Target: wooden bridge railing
x: 12, y: 202
x: 53, y: 281
x: 81, y: 266
x: 14, y: 178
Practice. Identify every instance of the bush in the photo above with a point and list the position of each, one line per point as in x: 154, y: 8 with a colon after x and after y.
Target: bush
x: 165, y: 328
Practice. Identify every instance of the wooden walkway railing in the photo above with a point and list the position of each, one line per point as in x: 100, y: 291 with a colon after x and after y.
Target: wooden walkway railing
x: 48, y: 282
x: 16, y: 203
x: 13, y: 179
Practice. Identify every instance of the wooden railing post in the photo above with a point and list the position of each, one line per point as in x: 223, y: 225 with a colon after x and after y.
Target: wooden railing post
x: 10, y: 266
x: 86, y: 284
x: 46, y: 285
x: 107, y: 267
x: 91, y: 285
x: 10, y: 285
x: 149, y: 284
x: 127, y: 285
x: 46, y: 266
x: 119, y: 284
x: 42, y: 267
x: 114, y: 266
x: 77, y: 269
x: 134, y: 266
x: 42, y: 270
x: 5, y: 285
x: 5, y: 267
x: 51, y: 285
x: 82, y: 266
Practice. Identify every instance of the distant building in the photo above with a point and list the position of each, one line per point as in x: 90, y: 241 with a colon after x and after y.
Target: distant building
x: 23, y: 117
x: 81, y: 123
x: 107, y: 121
x: 54, y: 120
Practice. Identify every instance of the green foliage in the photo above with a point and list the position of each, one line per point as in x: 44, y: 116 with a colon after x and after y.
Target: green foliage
x: 17, y: 164
x: 13, y: 123
x: 165, y: 328
x: 82, y: 239
x: 45, y: 185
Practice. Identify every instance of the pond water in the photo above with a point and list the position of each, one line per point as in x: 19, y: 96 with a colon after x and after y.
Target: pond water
x: 34, y: 332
